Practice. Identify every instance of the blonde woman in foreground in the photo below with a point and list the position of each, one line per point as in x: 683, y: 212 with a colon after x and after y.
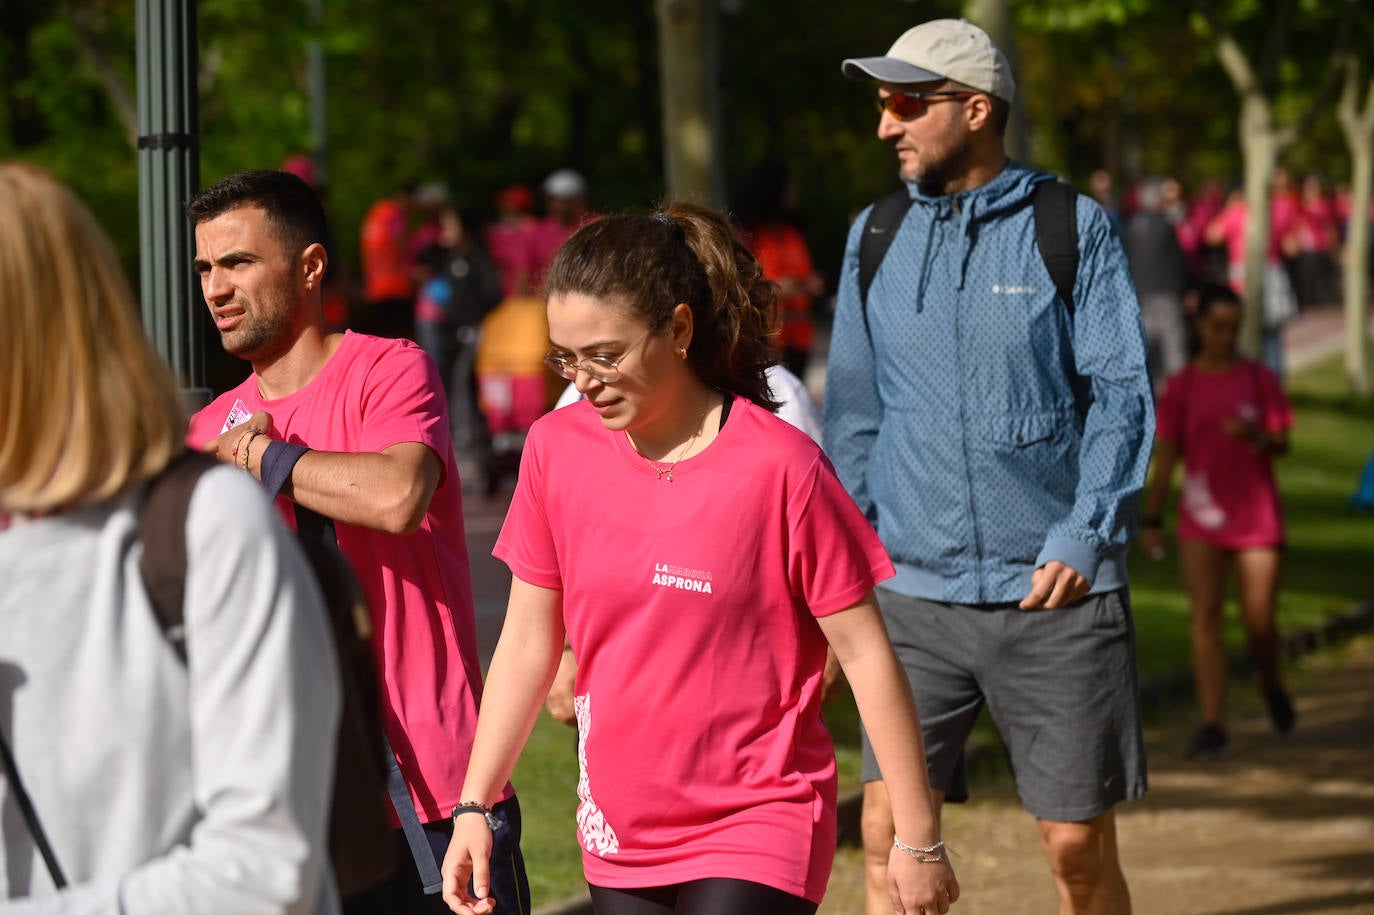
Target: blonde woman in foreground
x: 161, y: 785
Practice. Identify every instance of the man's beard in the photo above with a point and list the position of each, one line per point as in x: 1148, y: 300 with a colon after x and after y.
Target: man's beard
x: 936, y: 177
x: 258, y: 334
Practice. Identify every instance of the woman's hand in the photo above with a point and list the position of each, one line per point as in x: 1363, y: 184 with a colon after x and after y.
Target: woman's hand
x: 468, y: 855
x: 918, y: 888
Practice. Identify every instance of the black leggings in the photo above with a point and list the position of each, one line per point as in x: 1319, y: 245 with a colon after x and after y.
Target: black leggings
x: 711, y: 896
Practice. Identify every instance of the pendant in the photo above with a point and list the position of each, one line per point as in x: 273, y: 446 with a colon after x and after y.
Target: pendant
x: 668, y: 472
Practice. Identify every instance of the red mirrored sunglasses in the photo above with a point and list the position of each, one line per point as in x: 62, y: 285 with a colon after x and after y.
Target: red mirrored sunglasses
x: 904, y: 106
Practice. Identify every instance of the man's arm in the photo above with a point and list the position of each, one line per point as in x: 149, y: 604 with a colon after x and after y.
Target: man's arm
x: 387, y: 491
x: 853, y: 410
x: 1109, y: 351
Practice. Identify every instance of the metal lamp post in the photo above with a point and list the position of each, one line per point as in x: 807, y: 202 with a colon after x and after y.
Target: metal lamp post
x: 168, y: 174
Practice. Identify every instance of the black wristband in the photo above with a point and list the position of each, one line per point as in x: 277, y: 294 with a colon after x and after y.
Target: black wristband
x: 473, y: 807
x: 277, y: 463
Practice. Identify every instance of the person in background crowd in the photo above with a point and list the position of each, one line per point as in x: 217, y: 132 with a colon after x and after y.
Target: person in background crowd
x: 565, y: 211
x: 1161, y: 277
x: 509, y: 239
x: 1225, y: 418
x: 461, y: 288
x: 1278, y: 304
x: 1102, y: 188
x: 356, y: 428
x: 698, y: 554
x: 998, y: 441
x: 388, y: 286
x: 429, y: 204
x: 1205, y: 263
x: 764, y: 206
x: 1171, y: 202
x: 1316, y: 274
x: 199, y: 786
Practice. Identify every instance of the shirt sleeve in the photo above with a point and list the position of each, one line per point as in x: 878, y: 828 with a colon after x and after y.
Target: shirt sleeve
x: 404, y: 401
x: 852, y: 411
x: 834, y: 556
x: 526, y: 542
x: 1109, y: 354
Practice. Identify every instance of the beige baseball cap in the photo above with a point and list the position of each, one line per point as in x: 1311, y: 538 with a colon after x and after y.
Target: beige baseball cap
x: 953, y: 49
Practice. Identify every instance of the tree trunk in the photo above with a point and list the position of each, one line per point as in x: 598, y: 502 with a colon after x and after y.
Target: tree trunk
x: 1358, y: 127
x: 1259, y: 149
x: 1357, y: 266
x: 691, y: 100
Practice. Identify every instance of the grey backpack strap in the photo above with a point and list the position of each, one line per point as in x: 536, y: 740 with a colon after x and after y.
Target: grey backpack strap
x: 1056, y: 235
x: 401, y: 802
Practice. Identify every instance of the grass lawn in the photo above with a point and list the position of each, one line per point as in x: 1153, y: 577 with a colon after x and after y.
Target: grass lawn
x: 1329, y: 566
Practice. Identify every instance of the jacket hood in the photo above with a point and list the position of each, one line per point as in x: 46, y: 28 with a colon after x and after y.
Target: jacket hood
x: 1011, y: 188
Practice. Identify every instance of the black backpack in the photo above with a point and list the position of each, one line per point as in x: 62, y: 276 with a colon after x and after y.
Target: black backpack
x: 362, y: 845
x: 1056, y: 235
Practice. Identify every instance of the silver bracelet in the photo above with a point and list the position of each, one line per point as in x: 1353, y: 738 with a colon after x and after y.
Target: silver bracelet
x: 930, y: 854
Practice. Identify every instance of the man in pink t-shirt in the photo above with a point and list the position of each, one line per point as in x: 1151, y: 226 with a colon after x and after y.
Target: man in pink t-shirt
x: 355, y: 428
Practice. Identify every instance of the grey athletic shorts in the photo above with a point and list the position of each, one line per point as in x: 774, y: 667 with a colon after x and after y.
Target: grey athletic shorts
x: 1061, y: 686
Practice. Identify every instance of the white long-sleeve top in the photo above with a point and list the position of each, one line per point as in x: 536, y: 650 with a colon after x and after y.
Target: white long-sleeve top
x: 166, y: 787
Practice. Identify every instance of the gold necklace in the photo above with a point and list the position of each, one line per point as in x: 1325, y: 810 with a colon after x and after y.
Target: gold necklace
x: 666, y: 473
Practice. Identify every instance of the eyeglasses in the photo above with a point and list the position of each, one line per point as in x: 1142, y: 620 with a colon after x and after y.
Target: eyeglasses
x: 603, y: 368
x: 906, y: 106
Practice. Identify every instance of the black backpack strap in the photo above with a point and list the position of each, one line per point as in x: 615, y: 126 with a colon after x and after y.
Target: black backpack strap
x: 162, y: 529
x: 21, y: 797
x: 1056, y: 235
x: 883, y: 221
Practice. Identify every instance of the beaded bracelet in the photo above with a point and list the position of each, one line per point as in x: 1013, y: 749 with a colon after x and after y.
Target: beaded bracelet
x: 477, y: 807
x: 234, y: 453
x: 929, y: 854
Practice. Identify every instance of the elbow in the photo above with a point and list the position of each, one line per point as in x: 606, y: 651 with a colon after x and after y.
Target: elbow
x: 402, y: 512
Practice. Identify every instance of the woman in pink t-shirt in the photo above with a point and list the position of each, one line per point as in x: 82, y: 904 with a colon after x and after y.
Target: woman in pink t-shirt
x: 1227, y: 418
x: 698, y: 555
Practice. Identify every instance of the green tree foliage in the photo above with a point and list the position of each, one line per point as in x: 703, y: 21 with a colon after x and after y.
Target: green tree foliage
x: 56, y: 109
x: 482, y: 93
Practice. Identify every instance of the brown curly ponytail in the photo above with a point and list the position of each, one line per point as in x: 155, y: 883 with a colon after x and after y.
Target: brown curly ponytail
x: 683, y: 253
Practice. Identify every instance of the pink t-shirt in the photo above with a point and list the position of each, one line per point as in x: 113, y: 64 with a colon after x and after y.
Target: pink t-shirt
x: 1229, y: 497
x: 691, y: 609
x: 1231, y: 223
x: 372, y: 394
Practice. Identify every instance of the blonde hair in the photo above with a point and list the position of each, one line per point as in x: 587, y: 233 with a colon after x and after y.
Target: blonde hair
x: 87, y: 408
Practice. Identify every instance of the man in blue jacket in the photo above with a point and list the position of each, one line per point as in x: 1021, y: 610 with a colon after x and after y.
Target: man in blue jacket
x: 997, y: 436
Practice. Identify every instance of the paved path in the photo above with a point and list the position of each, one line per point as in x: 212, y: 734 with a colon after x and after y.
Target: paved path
x: 1275, y: 828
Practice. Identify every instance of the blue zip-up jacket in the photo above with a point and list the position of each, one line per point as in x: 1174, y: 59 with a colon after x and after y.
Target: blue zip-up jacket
x: 983, y: 429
